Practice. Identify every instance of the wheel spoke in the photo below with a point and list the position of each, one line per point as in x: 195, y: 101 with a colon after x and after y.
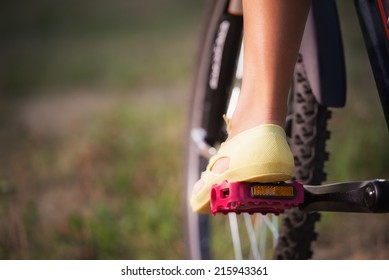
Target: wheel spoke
x: 235, y: 235
x: 252, y: 237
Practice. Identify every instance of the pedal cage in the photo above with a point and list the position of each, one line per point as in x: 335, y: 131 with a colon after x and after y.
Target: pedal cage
x: 244, y: 197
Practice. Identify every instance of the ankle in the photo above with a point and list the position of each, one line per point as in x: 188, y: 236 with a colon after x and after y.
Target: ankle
x: 238, y: 125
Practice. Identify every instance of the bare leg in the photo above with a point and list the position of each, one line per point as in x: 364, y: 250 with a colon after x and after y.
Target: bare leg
x: 273, y: 31
x: 272, y: 36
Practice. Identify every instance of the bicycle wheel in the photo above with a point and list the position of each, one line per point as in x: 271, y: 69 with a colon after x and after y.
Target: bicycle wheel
x: 215, y: 90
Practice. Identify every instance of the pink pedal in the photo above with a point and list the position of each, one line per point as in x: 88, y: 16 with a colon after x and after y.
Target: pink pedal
x: 243, y: 197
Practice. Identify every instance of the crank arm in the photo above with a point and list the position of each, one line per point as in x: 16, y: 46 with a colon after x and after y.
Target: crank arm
x: 366, y: 196
x: 243, y: 197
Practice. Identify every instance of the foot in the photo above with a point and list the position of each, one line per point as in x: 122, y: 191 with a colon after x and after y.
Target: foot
x: 258, y: 154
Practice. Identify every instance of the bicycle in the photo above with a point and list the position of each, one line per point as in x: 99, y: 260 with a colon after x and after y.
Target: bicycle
x: 317, y: 87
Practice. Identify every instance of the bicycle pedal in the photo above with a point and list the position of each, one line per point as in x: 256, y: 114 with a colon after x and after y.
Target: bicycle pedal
x: 244, y: 197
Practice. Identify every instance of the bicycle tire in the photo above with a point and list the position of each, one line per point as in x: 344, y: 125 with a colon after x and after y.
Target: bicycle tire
x: 306, y: 128
x: 307, y: 134
x: 207, y: 107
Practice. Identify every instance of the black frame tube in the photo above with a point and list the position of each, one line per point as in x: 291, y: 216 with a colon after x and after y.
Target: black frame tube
x: 376, y: 42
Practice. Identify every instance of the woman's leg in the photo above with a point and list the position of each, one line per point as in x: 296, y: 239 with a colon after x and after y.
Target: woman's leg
x: 273, y: 31
x: 272, y: 35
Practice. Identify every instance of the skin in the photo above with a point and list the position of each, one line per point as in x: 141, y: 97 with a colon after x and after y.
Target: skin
x: 273, y: 31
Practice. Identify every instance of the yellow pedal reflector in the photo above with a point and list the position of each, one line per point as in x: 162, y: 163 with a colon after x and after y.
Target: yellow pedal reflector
x: 284, y: 191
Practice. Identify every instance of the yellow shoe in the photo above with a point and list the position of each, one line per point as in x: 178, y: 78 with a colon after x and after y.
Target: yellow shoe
x: 260, y: 154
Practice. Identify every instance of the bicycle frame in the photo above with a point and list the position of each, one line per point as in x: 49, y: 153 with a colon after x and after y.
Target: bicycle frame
x: 373, y: 14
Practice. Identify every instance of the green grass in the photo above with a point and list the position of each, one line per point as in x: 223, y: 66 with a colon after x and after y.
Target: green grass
x: 110, y: 189
x: 114, y: 44
x: 93, y: 106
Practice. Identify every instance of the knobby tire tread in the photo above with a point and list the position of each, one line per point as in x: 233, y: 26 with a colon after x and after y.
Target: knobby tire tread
x: 307, y: 133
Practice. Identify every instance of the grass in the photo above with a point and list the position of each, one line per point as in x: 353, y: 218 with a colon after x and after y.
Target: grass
x: 117, y: 44
x: 110, y: 189
x: 93, y: 103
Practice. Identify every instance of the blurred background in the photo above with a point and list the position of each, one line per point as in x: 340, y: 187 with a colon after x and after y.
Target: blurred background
x: 93, y: 103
